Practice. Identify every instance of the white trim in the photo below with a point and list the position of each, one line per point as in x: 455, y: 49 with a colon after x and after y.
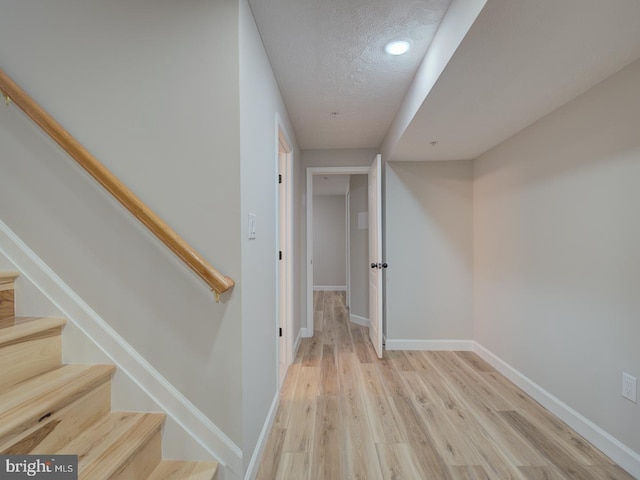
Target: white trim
x: 254, y: 464
x: 347, y: 207
x: 284, y: 143
x: 311, y: 171
x: 306, y: 332
x: 358, y: 320
x: 298, y: 340
x: 123, y: 355
x: 610, y: 446
x: 329, y: 288
x: 430, y: 345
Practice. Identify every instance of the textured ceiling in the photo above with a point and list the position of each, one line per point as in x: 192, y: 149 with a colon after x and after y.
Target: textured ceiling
x: 340, y: 88
x: 519, y: 61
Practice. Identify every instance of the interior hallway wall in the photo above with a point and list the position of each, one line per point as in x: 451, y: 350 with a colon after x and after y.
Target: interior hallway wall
x: 359, y: 246
x: 557, y: 263
x: 329, y: 242
x: 110, y: 75
x: 262, y: 111
x: 429, y: 249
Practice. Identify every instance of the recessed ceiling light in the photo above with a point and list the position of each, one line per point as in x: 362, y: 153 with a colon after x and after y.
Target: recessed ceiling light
x: 397, y: 47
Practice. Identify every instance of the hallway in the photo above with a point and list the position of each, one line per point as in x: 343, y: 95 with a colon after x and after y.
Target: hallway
x: 344, y: 414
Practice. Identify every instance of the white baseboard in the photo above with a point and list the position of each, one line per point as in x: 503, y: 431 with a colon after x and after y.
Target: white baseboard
x: 306, y: 332
x: 297, y: 344
x: 610, y: 446
x: 329, y: 288
x: 358, y: 320
x: 129, y: 362
x: 430, y: 345
x: 254, y: 464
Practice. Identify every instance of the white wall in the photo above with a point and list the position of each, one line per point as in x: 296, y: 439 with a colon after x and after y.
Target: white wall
x: 429, y: 251
x: 152, y: 89
x: 329, y: 242
x: 260, y: 106
x: 359, y: 247
x: 557, y: 264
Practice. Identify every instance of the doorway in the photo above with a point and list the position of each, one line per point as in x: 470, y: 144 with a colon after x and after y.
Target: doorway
x: 373, y: 174
x: 284, y: 256
x: 341, y: 243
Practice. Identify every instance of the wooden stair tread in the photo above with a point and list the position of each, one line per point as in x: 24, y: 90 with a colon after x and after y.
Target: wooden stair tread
x: 108, y: 445
x: 28, y: 402
x: 180, y: 470
x: 8, y: 277
x: 19, y: 328
x: 46, y: 407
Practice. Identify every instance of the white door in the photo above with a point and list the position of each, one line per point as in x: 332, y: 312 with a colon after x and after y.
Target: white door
x: 375, y: 255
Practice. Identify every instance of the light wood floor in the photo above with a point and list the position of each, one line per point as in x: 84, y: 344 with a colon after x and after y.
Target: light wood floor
x: 344, y: 414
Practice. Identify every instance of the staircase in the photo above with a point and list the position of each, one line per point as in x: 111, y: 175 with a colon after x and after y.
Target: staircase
x: 50, y: 408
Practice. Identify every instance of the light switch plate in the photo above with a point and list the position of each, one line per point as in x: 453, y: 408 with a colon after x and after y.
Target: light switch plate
x: 629, y: 387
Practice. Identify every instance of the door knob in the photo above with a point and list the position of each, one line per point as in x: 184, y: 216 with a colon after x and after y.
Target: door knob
x: 374, y: 265
x: 384, y: 265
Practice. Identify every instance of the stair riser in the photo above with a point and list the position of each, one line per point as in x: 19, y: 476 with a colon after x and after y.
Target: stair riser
x: 30, y: 357
x: 7, y: 303
x: 53, y: 432
x: 48, y: 403
x: 144, y: 461
x: 180, y: 470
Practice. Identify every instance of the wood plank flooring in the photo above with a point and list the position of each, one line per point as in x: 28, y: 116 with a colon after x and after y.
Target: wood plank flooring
x: 344, y: 414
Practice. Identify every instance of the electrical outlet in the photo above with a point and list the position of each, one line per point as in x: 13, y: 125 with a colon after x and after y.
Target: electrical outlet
x: 629, y: 387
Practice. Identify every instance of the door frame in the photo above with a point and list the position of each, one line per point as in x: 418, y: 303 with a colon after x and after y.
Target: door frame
x: 311, y: 171
x: 347, y: 207
x: 285, y: 242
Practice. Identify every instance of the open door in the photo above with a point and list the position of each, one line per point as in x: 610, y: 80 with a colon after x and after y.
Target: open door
x: 375, y: 255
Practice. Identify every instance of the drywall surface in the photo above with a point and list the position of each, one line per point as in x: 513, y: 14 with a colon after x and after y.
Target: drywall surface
x: 356, y: 157
x: 556, y: 253
x: 429, y: 251
x: 262, y: 112
x: 359, y: 246
x: 151, y: 89
x: 329, y: 242
x: 455, y: 25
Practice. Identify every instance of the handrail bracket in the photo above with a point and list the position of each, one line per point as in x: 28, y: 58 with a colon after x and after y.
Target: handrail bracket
x: 7, y: 98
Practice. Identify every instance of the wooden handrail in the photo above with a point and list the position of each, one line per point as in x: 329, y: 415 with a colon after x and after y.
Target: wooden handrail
x: 216, y: 281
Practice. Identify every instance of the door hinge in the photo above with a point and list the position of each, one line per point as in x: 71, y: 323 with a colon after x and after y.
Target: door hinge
x: 280, y: 255
x: 280, y: 332
x: 279, y: 178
